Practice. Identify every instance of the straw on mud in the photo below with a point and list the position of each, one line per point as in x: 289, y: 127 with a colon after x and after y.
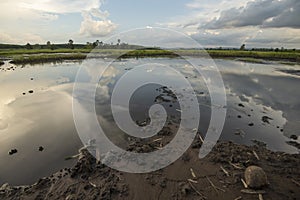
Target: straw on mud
x: 297, y: 183
x: 213, y: 185
x: 260, y: 197
x: 238, y: 198
x: 193, y: 173
x: 249, y: 191
x: 193, y: 181
x: 226, y: 172
x: 244, y: 183
x: 199, y: 193
x: 235, y: 166
x: 255, y: 154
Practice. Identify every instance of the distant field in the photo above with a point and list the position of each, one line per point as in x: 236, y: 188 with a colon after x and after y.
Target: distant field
x: 24, y: 56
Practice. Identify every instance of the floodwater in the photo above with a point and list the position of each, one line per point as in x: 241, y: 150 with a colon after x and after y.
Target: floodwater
x: 36, y: 109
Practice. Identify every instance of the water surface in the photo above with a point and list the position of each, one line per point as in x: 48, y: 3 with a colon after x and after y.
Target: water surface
x: 44, y: 117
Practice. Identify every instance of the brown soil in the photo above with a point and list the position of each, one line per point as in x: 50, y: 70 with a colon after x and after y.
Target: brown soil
x: 217, y: 176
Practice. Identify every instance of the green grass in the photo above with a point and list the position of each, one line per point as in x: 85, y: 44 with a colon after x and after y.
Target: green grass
x: 24, y: 56
x: 295, y: 56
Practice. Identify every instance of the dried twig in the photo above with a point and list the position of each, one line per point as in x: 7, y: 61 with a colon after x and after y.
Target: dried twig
x: 255, y: 154
x: 226, y: 172
x: 297, y: 183
x: 244, y: 183
x: 158, y: 139
x: 200, y: 137
x: 193, y: 173
x: 238, y: 198
x: 193, y: 181
x: 93, y: 184
x: 235, y: 166
x: 249, y: 191
x: 213, y: 185
x: 199, y: 193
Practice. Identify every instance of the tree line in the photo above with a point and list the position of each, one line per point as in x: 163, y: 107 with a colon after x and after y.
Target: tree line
x: 71, y: 45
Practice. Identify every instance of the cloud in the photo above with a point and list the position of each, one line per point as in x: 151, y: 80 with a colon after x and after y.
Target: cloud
x: 251, y: 36
x: 38, y: 16
x: 95, y: 24
x: 230, y: 23
x: 267, y: 13
x: 222, y: 37
x: 288, y: 18
x: 20, y: 38
x: 61, y: 6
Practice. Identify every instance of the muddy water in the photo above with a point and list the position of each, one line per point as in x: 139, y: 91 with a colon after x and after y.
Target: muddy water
x: 262, y: 104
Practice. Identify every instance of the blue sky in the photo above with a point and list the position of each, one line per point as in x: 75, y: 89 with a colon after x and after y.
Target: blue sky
x: 212, y: 23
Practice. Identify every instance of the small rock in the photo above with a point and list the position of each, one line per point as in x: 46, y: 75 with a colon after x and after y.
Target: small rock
x: 41, y: 148
x: 5, y: 186
x: 255, y: 177
x: 294, y: 137
x: 251, y: 124
x: 30, y: 91
x: 266, y: 119
x: 12, y: 151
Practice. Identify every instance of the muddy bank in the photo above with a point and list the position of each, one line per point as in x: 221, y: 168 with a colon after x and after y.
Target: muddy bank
x: 217, y: 176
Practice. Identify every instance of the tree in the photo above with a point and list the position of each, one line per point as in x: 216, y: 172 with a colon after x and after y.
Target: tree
x: 119, y: 41
x: 48, y: 45
x: 70, y: 44
x: 36, y: 46
x: 28, y: 46
x: 243, y: 47
x: 96, y: 43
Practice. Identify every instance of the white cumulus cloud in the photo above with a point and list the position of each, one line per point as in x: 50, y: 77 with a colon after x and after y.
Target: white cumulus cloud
x: 96, y: 24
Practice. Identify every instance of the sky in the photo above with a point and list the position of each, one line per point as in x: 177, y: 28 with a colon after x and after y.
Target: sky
x: 212, y: 23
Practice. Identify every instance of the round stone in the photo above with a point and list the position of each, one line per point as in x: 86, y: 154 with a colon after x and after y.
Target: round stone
x: 255, y: 177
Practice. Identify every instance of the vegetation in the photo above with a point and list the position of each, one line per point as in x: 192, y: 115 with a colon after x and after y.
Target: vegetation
x: 22, y: 54
x: 46, y: 58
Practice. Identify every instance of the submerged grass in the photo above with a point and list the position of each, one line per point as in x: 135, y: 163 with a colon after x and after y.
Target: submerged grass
x: 46, y: 58
x: 24, y: 56
x: 251, y: 60
x: 12, y: 52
